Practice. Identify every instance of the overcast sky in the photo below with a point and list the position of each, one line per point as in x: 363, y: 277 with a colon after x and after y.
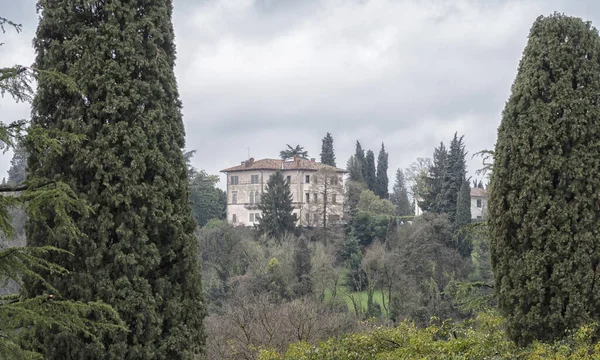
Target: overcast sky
x: 261, y: 74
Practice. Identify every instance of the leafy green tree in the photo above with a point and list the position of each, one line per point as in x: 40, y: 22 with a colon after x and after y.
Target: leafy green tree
x: 208, y: 201
x: 292, y: 152
x: 399, y: 196
x: 277, y: 216
x: 327, y: 153
x: 543, y: 207
x: 463, y: 218
x: 381, y: 181
x: 135, y: 249
x: 453, y: 178
x: 431, y: 198
x: 370, y: 174
x: 416, y: 177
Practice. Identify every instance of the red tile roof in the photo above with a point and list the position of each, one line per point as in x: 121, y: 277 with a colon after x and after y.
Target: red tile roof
x: 278, y: 164
x: 477, y: 192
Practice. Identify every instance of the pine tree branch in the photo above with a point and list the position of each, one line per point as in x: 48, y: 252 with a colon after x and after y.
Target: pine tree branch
x: 13, y: 188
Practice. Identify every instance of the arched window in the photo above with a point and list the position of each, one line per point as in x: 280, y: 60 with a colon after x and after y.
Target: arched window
x: 251, y: 197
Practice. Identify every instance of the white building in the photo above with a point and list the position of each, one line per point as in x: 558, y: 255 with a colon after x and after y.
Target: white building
x: 479, y: 203
x: 479, y: 200
x: 247, y: 182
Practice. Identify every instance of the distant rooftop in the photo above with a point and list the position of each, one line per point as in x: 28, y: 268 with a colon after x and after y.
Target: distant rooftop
x: 278, y: 164
x: 477, y: 192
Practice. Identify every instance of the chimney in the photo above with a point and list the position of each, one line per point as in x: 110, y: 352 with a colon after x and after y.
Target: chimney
x: 312, y: 160
x: 297, y: 160
x: 251, y: 160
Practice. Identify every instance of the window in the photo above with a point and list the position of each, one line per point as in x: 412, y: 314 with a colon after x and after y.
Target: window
x: 233, y: 218
x: 307, y: 179
x: 234, y: 197
x: 234, y: 180
x: 334, y: 218
x: 315, y: 197
x: 478, y: 203
x: 334, y: 180
x: 479, y: 218
x: 333, y: 199
x: 253, y: 179
x: 251, y: 198
x: 251, y: 217
x: 307, y: 198
x: 289, y: 179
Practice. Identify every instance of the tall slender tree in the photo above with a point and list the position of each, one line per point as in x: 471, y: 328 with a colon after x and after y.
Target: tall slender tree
x: 543, y: 207
x: 463, y: 218
x: 431, y: 197
x: 136, y: 250
x: 359, y: 157
x: 453, y: 177
x: 381, y: 181
x: 327, y: 152
x: 399, y: 196
x: 370, y: 174
x: 277, y: 216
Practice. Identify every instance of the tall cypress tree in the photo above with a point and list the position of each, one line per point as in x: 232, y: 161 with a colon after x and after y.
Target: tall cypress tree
x: 463, y: 217
x: 543, y: 207
x: 399, y: 196
x: 137, y: 250
x: 327, y: 153
x: 277, y: 216
x: 382, y: 182
x: 453, y: 177
x: 371, y: 176
x: 431, y: 198
x: 359, y: 157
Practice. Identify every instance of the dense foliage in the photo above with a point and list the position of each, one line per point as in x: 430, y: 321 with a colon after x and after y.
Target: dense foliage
x: 399, y: 196
x: 480, y: 338
x: 208, y: 201
x: 543, y: 209
x: 134, y: 248
x: 381, y: 180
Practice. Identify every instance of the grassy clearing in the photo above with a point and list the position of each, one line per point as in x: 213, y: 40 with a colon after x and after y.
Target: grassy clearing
x: 360, y: 297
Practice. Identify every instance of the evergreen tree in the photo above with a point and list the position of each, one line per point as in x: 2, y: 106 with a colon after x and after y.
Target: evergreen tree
x: 370, y: 175
x: 292, y: 152
x: 399, y: 196
x: 543, y: 207
x: 136, y: 249
x: 354, y: 168
x: 277, y: 216
x: 327, y: 153
x: 17, y: 173
x: 359, y: 157
x: 463, y: 218
x: 303, y: 267
x: 453, y: 177
x: 431, y: 198
x: 381, y: 188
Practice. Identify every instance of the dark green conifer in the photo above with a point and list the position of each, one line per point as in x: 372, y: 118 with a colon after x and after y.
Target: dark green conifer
x: 354, y: 168
x: 463, y: 218
x: 399, y: 196
x: 453, y: 177
x: 543, y: 207
x: 359, y: 157
x: 136, y: 250
x: 277, y: 216
x: 370, y: 174
x: 431, y: 198
x: 327, y: 152
x: 381, y: 181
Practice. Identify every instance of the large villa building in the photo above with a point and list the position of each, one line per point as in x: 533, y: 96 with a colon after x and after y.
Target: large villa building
x: 310, y: 182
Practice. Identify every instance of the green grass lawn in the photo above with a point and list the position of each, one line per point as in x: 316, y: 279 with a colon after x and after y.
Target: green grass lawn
x: 360, y: 298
